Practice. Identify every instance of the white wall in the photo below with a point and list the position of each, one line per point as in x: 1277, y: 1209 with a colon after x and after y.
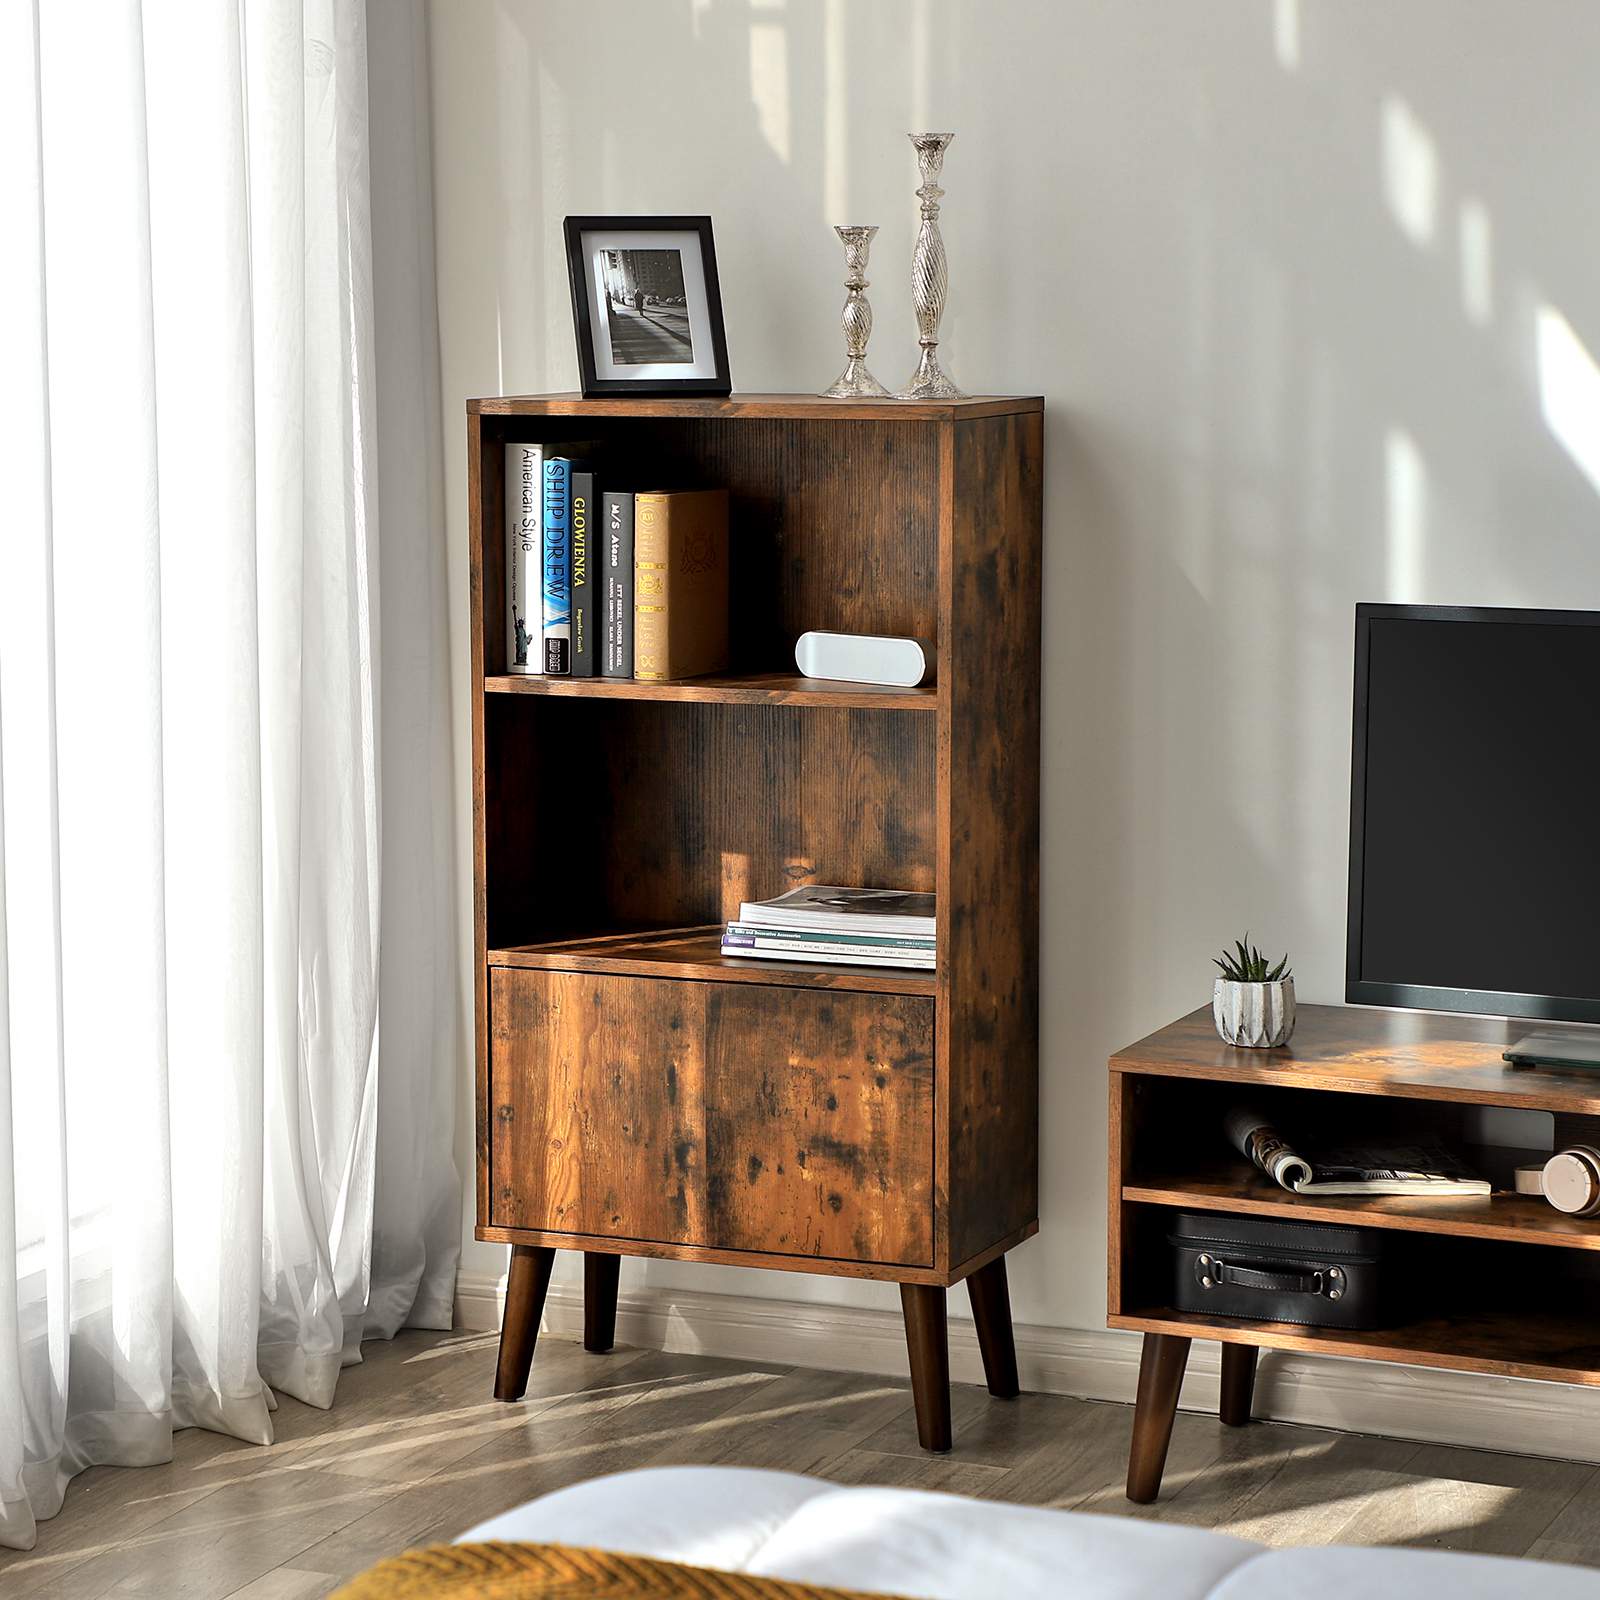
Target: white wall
x: 1281, y: 272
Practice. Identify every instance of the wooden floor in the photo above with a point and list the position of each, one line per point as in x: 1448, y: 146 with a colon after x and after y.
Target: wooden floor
x: 415, y: 1450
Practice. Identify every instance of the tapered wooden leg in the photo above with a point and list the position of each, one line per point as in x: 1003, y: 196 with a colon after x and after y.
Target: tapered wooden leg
x: 599, y: 1300
x: 519, y: 1330
x: 991, y: 1311
x: 1161, y: 1367
x: 929, y: 1348
x: 1238, y: 1383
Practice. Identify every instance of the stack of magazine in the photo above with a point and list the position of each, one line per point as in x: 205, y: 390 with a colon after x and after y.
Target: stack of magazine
x: 855, y: 927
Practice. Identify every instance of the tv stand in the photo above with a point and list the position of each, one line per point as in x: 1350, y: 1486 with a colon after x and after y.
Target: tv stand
x: 1548, y: 1049
x: 1502, y: 1284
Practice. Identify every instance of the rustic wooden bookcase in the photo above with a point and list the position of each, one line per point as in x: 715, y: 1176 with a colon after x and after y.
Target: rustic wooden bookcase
x: 639, y: 1094
x: 1502, y: 1284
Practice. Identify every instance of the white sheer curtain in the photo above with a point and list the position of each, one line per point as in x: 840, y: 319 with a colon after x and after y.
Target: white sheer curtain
x: 212, y: 1181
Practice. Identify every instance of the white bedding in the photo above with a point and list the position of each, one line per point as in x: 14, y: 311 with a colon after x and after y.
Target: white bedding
x: 944, y: 1547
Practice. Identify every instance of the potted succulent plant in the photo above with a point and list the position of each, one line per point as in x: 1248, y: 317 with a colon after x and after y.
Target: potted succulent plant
x: 1253, y: 1001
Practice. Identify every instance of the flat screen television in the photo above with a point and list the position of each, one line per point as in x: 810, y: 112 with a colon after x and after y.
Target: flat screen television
x: 1475, y: 813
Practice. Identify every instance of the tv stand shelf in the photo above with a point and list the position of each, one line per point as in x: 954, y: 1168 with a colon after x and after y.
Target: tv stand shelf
x: 1243, y: 1189
x: 1488, y: 1293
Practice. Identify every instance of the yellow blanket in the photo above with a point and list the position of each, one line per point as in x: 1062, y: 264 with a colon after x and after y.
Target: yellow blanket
x: 498, y: 1571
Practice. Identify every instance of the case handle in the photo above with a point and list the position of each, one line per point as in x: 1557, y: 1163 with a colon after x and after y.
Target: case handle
x: 1213, y: 1271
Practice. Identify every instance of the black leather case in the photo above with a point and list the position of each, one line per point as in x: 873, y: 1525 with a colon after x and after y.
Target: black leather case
x: 1271, y: 1271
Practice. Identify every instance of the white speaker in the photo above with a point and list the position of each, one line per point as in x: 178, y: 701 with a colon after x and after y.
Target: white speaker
x: 865, y: 658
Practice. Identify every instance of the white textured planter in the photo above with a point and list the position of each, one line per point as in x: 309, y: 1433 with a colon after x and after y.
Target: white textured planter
x: 1260, y: 1015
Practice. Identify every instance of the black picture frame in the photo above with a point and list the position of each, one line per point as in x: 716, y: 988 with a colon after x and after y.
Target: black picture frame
x: 598, y: 375
x: 1358, y: 988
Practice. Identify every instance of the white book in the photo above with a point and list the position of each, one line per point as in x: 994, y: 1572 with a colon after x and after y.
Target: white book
x: 832, y: 958
x: 823, y: 948
x: 825, y: 907
x: 524, y: 491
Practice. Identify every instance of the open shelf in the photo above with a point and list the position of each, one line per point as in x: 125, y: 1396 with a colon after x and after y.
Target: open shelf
x: 1509, y: 1343
x: 1240, y: 1188
x: 695, y: 953
x: 756, y: 688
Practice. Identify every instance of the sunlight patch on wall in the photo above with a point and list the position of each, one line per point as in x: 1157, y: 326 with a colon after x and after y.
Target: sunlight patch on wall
x: 1569, y: 391
x: 1410, y: 171
x: 1286, y: 33
x: 1477, y: 262
x: 921, y: 64
x: 835, y: 116
x: 1406, y: 483
x: 769, y: 82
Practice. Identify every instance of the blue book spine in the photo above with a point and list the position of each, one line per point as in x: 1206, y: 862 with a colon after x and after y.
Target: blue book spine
x: 557, y: 566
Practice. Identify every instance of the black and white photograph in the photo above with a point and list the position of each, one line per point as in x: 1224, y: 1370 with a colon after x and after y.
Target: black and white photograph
x: 646, y: 307
x: 648, y: 311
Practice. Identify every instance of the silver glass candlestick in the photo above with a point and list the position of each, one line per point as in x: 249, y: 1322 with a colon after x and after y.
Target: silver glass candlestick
x: 929, y: 276
x: 855, y: 382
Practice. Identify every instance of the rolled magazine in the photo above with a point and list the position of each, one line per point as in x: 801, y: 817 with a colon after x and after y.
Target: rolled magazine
x: 1360, y: 1169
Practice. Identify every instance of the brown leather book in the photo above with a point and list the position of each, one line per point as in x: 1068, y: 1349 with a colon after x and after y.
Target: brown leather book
x: 680, y: 583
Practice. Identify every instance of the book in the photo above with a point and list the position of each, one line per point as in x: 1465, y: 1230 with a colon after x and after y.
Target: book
x: 524, y: 499
x: 823, y: 939
x: 1378, y: 1168
x: 557, y: 567
x: 680, y: 567
x: 867, y: 956
x: 819, y: 906
x: 585, y: 575
x: 617, y: 565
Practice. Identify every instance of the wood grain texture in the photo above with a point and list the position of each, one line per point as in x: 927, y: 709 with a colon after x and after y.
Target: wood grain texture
x: 991, y: 1316
x: 527, y: 1282
x: 486, y: 598
x: 833, y: 523
x: 780, y: 1120
x: 783, y: 407
x: 990, y: 582
x: 1238, y: 1388
x: 752, y: 688
x: 1478, y: 1288
x: 697, y: 953
x: 928, y: 1347
x: 1368, y: 1050
x: 919, y: 520
x: 1236, y: 1186
x: 1161, y: 1364
x: 700, y: 807
x: 1508, y: 1343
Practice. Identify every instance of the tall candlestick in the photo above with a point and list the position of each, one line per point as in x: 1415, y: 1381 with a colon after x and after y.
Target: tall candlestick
x: 929, y: 275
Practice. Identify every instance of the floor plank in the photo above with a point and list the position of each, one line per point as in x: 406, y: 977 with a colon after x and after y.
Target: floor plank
x: 417, y: 1450
x: 1454, y: 1499
x: 1574, y: 1535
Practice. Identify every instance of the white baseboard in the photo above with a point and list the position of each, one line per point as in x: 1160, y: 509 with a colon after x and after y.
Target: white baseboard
x: 1513, y: 1414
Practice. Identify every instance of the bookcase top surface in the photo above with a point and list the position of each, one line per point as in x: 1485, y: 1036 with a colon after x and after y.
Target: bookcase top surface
x: 798, y: 407
x: 1371, y: 1050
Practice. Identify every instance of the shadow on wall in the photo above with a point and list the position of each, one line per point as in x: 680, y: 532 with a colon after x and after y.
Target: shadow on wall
x: 1313, y: 299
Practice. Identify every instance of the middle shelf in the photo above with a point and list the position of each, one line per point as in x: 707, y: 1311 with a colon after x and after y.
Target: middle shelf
x: 1237, y: 1186
x: 696, y: 953
x: 751, y: 688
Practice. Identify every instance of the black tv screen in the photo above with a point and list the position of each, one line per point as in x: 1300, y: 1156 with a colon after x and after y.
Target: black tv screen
x: 1475, y: 811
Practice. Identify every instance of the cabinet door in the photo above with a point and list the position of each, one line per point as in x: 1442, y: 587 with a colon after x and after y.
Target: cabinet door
x: 733, y: 1116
